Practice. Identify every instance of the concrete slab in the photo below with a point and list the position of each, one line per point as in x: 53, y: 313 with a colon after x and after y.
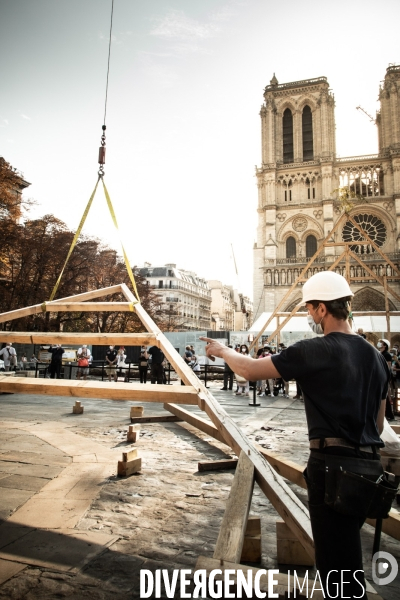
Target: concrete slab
x: 63, y: 550
x: 29, y: 469
x: 36, y: 458
x: 23, y: 482
x: 11, y: 499
x: 8, y: 569
x: 9, y: 532
x: 50, y: 512
x: 69, y: 442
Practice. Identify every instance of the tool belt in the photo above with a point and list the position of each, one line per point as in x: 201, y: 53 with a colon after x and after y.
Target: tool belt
x: 358, y: 487
x: 319, y: 444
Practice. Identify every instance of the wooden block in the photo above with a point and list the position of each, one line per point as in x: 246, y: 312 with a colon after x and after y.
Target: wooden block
x: 78, y: 408
x: 217, y: 465
x: 396, y: 428
x: 251, y: 551
x: 126, y: 468
x: 289, y: 549
x: 253, y: 526
x: 133, y: 433
x: 156, y: 419
x: 137, y: 411
x: 129, y: 454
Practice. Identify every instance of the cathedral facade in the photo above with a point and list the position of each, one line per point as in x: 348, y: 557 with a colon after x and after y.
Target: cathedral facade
x: 298, y: 202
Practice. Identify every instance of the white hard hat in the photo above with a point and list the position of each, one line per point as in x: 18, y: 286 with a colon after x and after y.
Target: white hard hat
x: 326, y: 285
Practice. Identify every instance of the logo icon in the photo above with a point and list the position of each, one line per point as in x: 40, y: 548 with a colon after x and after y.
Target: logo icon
x: 384, y: 568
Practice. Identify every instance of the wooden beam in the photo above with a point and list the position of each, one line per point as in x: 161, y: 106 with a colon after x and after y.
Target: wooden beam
x: 62, y: 306
x: 231, y: 535
x: 156, y: 419
x: 294, y: 473
x: 285, y: 502
x: 38, y: 308
x: 99, y: 390
x: 94, y: 339
x: 196, y: 421
x: 217, y: 465
x: 286, y: 468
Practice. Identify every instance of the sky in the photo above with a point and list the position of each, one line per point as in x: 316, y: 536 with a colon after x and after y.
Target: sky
x: 185, y: 89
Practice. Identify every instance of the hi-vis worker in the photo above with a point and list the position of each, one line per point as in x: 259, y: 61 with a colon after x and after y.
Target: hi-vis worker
x: 344, y: 380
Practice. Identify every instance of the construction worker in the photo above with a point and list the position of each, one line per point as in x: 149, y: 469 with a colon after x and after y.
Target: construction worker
x: 344, y: 381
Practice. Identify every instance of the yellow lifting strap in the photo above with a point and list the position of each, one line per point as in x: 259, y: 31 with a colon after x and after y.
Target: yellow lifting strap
x: 78, y: 232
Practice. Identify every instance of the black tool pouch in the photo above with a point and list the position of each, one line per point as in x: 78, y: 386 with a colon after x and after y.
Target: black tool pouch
x: 358, y: 487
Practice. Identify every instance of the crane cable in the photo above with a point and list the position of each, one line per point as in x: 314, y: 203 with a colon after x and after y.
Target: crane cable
x: 102, y: 156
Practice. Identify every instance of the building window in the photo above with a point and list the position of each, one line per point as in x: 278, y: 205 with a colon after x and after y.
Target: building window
x: 311, y: 246
x: 372, y: 226
x: 287, y: 124
x: 160, y: 283
x: 307, y: 128
x: 291, y: 247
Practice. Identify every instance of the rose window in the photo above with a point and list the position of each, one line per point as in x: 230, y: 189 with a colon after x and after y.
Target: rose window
x: 372, y: 226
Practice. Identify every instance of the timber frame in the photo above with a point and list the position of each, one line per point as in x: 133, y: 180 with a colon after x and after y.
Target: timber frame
x: 345, y: 255
x: 254, y: 464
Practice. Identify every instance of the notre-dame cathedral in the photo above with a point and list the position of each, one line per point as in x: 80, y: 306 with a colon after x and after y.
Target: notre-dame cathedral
x: 297, y: 202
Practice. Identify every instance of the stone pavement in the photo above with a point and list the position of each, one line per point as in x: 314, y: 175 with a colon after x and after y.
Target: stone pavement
x: 72, y: 529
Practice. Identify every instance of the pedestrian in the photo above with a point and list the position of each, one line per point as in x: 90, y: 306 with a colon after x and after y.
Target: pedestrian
x: 9, y: 357
x: 143, y: 364
x: 111, y: 363
x: 84, y: 357
x: 344, y: 381
x: 187, y: 356
x: 156, y: 369
x: 121, y: 364
x: 56, y: 352
x: 383, y: 346
x: 228, y: 375
x: 194, y: 365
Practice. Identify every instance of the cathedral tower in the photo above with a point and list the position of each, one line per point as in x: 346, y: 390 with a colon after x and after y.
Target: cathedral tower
x: 297, y: 179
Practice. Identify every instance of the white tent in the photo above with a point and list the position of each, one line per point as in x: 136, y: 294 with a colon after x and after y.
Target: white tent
x: 299, y: 324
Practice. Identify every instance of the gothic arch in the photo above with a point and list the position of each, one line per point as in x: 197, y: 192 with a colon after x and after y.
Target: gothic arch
x: 370, y: 299
x: 292, y: 305
x: 287, y: 103
x: 304, y: 101
x: 312, y: 228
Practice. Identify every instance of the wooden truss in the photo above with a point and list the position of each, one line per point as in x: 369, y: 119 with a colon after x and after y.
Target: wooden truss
x: 254, y: 463
x: 345, y: 255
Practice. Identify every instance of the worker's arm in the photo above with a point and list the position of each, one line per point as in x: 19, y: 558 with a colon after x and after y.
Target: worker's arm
x: 380, y: 420
x: 245, y: 366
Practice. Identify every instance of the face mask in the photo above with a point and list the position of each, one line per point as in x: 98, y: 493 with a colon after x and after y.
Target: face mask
x: 243, y: 350
x: 379, y: 345
x: 315, y: 327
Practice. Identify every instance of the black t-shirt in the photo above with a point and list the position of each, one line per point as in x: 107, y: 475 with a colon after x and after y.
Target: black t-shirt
x: 387, y: 356
x: 157, y: 357
x: 343, y: 379
x: 111, y: 355
x: 56, y: 354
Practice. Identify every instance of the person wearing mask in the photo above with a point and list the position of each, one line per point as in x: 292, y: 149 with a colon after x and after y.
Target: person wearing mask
x: 243, y: 383
x: 121, y: 365
x: 383, y: 346
x: 83, y: 356
x: 143, y: 364
x: 344, y: 403
x: 56, y: 352
x: 111, y: 363
x: 194, y: 365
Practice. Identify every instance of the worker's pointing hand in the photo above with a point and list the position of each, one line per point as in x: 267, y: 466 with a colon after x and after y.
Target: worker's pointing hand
x: 213, y: 348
